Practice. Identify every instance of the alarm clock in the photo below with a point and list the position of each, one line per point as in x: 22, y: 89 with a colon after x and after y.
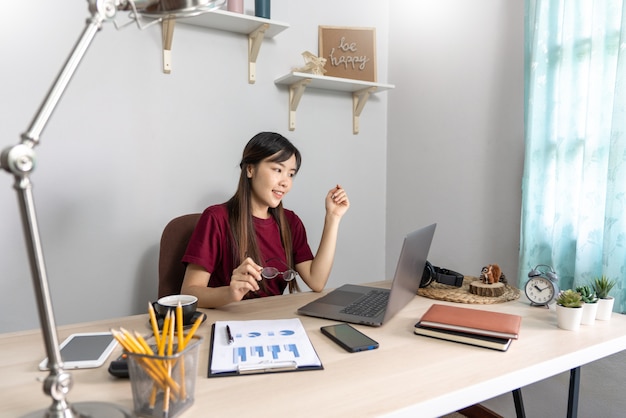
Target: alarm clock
x: 542, y: 287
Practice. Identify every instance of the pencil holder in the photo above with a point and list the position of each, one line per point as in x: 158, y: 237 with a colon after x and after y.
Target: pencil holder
x: 164, y: 386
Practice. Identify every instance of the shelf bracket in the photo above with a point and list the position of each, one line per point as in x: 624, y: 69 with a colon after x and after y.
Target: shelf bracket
x: 254, y: 45
x: 359, y: 98
x: 167, y: 29
x: 296, y: 90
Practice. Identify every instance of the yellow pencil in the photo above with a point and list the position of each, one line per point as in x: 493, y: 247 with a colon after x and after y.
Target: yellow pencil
x: 157, y: 340
x: 144, y: 344
x: 159, y: 372
x: 153, y: 395
x: 170, y: 349
x: 132, y: 342
x: 135, y: 346
x: 187, y: 338
x: 155, y: 332
x: 179, y: 327
x: 163, y: 339
x: 154, y: 323
x: 170, y: 336
x: 180, y: 347
x: 192, y: 331
x: 148, y: 366
x: 120, y: 339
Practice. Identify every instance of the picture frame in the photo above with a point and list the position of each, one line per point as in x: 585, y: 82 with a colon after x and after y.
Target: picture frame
x: 350, y: 52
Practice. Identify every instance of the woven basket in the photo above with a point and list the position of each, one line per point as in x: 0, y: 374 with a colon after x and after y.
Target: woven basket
x: 462, y: 294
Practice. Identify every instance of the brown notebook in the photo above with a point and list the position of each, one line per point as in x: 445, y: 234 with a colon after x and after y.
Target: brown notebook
x: 476, y: 321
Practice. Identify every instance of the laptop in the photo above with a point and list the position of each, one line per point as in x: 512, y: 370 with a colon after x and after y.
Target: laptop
x: 341, y: 303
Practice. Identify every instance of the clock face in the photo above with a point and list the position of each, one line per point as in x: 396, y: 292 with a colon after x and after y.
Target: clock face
x: 540, y: 290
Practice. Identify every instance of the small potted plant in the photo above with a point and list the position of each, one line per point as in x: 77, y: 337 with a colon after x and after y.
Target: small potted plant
x: 590, y: 305
x: 569, y: 310
x: 602, y: 286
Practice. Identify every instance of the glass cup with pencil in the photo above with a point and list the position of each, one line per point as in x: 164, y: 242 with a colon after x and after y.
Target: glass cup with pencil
x: 162, y: 368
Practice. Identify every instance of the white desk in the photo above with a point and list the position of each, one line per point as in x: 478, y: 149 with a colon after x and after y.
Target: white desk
x: 408, y: 375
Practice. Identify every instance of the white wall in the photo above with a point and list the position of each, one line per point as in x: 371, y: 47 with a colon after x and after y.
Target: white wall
x: 456, y: 144
x: 129, y: 148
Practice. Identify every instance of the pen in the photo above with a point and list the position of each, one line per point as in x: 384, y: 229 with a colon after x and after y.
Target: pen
x: 229, y: 335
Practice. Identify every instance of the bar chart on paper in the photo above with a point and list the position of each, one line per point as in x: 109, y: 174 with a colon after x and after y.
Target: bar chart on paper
x: 286, y: 352
x: 261, y: 344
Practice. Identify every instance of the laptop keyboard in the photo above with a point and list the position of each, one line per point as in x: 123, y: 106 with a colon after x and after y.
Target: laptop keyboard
x: 370, y: 305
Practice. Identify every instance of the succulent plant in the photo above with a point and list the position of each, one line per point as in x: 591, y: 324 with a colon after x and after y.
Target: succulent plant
x: 587, y: 293
x: 602, y: 286
x: 570, y: 299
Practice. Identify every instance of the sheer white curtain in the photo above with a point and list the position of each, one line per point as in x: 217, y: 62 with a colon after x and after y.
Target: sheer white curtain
x: 574, y: 183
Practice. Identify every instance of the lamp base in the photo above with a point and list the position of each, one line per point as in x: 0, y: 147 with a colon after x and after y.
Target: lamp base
x: 85, y: 409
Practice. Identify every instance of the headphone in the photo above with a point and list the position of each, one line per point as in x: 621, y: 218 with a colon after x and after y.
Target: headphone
x: 550, y: 274
x: 440, y: 275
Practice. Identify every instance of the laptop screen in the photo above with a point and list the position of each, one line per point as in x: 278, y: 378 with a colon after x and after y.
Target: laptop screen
x: 409, y: 269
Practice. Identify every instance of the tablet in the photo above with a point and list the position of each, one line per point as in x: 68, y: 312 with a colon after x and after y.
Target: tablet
x: 84, y: 350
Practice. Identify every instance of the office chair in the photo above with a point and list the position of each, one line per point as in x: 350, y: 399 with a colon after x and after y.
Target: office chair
x: 173, y: 244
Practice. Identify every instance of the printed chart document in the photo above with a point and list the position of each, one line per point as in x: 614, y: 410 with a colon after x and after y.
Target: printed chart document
x: 260, y: 346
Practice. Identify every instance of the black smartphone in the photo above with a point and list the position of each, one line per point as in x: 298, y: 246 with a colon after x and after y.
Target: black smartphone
x: 349, y: 338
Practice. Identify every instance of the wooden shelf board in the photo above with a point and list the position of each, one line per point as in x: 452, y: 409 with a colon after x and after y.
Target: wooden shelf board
x: 234, y: 22
x: 331, y: 83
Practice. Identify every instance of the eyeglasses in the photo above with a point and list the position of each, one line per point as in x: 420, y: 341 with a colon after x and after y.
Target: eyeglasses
x: 273, y: 272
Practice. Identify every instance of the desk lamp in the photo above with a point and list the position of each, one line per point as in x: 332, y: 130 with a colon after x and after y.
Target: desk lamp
x: 19, y: 160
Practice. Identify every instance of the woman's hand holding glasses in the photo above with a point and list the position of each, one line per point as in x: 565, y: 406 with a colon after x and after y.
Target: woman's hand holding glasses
x: 245, y: 278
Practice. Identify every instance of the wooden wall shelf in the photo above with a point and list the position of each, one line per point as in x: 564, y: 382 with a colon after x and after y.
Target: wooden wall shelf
x: 256, y: 28
x: 360, y: 90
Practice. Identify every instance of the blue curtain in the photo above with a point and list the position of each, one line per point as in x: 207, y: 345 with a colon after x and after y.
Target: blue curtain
x: 574, y: 182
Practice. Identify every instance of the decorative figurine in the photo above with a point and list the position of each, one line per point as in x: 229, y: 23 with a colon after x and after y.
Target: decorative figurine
x: 491, y: 274
x: 492, y: 282
x: 313, y: 64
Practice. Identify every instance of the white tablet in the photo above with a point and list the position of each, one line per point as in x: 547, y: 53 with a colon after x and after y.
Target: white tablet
x: 84, y: 350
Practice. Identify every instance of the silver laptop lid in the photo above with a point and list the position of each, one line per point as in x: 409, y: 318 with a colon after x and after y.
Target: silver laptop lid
x: 409, y: 270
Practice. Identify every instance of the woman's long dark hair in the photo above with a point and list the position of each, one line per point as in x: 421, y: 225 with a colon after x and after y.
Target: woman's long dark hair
x: 263, y: 145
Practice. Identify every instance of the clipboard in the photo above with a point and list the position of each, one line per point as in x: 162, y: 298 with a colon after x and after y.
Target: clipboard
x: 260, y: 346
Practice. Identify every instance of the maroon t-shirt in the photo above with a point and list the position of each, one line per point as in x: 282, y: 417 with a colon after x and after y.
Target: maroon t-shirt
x: 210, y: 247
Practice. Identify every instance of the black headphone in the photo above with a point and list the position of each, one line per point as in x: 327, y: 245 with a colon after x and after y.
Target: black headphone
x: 440, y: 275
x: 550, y: 274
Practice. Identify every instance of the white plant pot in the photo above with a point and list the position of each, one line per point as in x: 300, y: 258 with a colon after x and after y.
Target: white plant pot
x: 590, y: 311
x: 568, y: 318
x: 605, y: 309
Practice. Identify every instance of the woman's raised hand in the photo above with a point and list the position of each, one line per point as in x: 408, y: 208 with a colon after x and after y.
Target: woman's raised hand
x: 337, y: 202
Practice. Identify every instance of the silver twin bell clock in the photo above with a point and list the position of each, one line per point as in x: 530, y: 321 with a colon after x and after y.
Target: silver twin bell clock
x: 542, y: 287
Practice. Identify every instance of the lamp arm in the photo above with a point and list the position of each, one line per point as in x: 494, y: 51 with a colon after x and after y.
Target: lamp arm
x: 94, y: 24
x: 19, y: 160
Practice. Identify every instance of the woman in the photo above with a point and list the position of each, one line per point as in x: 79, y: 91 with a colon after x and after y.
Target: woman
x: 234, y: 241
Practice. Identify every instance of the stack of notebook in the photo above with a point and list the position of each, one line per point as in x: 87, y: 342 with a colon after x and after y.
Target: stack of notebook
x: 478, y: 327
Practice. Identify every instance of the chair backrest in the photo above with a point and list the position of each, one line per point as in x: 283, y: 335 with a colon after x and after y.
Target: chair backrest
x: 174, y: 242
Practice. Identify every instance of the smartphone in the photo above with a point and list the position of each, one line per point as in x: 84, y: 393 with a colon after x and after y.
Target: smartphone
x: 84, y: 350
x: 349, y: 338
